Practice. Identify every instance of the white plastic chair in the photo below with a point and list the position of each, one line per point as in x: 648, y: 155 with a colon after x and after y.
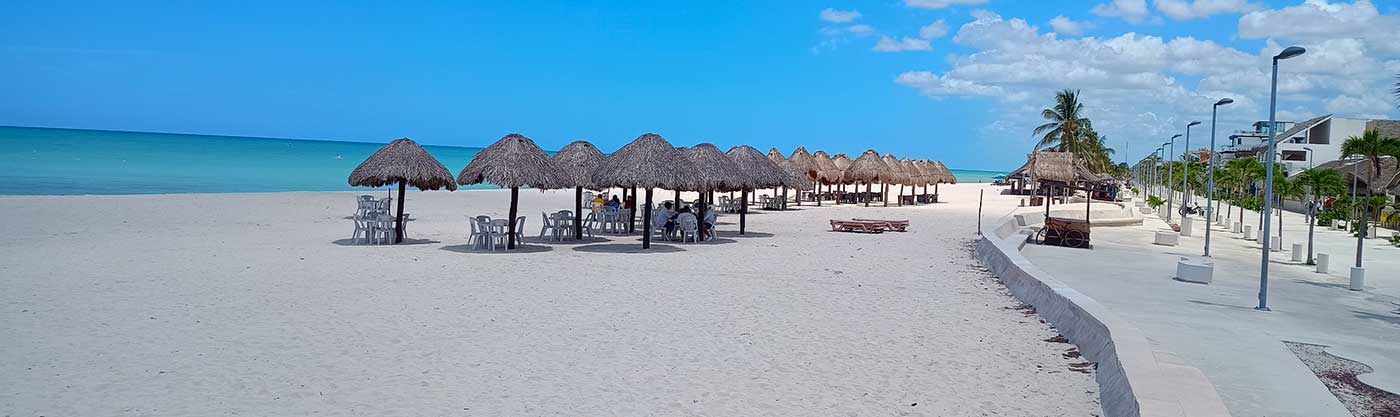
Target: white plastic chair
x: 546, y: 224
x: 588, y: 199
x: 364, y: 228
x: 688, y: 227
x: 589, y: 222
x: 481, y: 232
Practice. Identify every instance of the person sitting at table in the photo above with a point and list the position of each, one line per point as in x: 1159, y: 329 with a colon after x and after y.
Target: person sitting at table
x: 614, y: 202
x: 663, y: 218
x: 598, y: 202
x: 707, y: 227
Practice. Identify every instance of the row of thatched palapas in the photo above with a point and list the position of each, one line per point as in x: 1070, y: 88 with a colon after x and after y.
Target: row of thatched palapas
x: 648, y: 162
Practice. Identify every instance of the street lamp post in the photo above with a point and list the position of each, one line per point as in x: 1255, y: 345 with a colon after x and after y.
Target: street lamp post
x: 1210, y: 189
x: 1186, y: 168
x: 1171, y: 153
x: 1288, y: 52
x: 1309, y: 154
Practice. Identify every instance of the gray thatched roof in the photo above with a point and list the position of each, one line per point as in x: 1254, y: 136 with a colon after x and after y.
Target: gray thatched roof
x: 1058, y: 166
x: 796, y: 177
x: 513, y: 161
x: 944, y: 174
x: 916, y: 176
x: 402, y: 161
x: 868, y: 168
x: 803, y: 161
x: 824, y: 169
x: 841, y: 162
x: 713, y: 170
x: 576, y: 163
x: 896, y: 172
x: 648, y: 162
x: 775, y: 156
x: 1361, y: 168
x: 755, y: 169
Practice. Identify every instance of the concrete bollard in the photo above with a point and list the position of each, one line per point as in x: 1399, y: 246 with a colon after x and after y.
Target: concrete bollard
x: 1297, y: 252
x: 1276, y: 244
x: 1186, y: 225
x: 1372, y: 232
x: 1249, y: 232
x: 1322, y: 263
x: 1235, y: 228
x: 1358, y: 279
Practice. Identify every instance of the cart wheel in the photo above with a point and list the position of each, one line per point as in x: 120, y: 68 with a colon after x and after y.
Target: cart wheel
x: 1074, y: 239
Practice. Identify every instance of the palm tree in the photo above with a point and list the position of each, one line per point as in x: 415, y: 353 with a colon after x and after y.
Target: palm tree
x: 1318, y: 183
x: 1066, y: 125
x: 1370, y: 146
x: 1247, y: 170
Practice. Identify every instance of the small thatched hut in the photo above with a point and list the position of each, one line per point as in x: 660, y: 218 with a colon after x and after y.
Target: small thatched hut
x: 947, y: 174
x: 802, y: 161
x: 405, y: 163
x: 867, y: 169
x: 514, y: 161
x: 576, y: 163
x: 648, y: 162
x: 757, y: 172
x: 823, y: 171
x: 896, y: 176
x: 714, y: 171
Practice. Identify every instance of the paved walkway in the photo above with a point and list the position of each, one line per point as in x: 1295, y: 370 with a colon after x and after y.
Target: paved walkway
x: 1216, y: 328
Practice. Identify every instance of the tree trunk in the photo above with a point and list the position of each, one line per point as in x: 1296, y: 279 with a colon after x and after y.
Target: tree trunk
x: 514, y: 199
x: 646, y: 224
x: 743, y: 209
x: 578, y: 213
x: 398, y: 225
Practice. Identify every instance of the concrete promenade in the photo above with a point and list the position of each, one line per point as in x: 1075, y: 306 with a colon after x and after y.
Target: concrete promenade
x: 1216, y: 328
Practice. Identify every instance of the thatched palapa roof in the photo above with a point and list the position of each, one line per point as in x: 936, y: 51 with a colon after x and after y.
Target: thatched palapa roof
x: 823, y: 169
x: 648, y: 162
x: 775, y: 156
x: 755, y: 169
x: 796, y: 177
x: 916, y: 176
x: 895, y: 171
x: 842, y: 163
x: 1361, y: 168
x: 576, y: 163
x: 513, y: 161
x: 713, y: 170
x: 402, y: 161
x: 945, y: 174
x: 868, y: 168
x: 803, y: 161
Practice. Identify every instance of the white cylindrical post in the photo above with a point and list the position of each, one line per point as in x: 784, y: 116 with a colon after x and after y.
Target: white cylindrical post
x: 1358, y: 278
x: 1236, y: 227
x: 1321, y: 263
x: 1249, y: 232
x: 1297, y: 252
x: 1276, y: 243
x: 1186, y: 225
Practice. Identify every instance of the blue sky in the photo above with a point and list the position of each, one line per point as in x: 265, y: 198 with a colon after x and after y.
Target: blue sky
x: 765, y: 73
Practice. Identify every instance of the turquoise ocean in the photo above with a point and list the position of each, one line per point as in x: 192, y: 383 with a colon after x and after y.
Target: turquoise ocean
x: 44, y: 161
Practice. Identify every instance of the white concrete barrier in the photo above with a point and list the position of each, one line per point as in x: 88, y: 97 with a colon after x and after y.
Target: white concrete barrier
x: 1276, y: 244
x: 1297, y: 252
x: 1166, y: 238
x: 1132, y: 383
x: 1249, y: 232
x: 1322, y: 263
x: 1145, y: 210
x: 1194, y: 270
x: 1186, y: 223
x: 1358, y: 279
x: 1236, y: 227
x: 1372, y: 232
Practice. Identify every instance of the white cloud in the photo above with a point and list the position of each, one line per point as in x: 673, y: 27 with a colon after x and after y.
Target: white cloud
x: 934, y: 30
x: 1143, y: 88
x: 1200, y: 9
x: 1065, y: 26
x: 839, y: 16
x: 1133, y: 11
x: 1317, y: 20
x: 888, y: 44
x: 941, y: 4
x: 860, y: 29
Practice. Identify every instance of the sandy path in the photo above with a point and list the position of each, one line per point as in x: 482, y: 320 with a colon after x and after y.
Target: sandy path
x: 244, y: 305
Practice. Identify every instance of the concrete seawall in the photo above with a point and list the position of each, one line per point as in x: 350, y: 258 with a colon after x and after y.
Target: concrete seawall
x: 1131, y: 380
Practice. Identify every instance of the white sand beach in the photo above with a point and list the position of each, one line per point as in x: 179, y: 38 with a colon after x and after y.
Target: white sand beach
x: 254, y: 304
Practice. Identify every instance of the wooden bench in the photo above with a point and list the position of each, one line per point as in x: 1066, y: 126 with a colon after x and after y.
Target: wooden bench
x: 894, y: 225
x: 857, y: 227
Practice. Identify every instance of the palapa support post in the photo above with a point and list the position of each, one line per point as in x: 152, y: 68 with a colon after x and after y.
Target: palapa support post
x: 743, y: 209
x: 784, y: 205
x: 514, y: 198
x: 867, y: 194
x: 632, y: 214
x: 901, y: 195
x: 885, y: 194
x: 677, y: 201
x: 398, y: 225
x: 646, y: 227
x: 578, y: 213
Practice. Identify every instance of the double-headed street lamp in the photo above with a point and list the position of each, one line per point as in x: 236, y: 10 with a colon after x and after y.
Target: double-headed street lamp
x: 1210, y: 190
x: 1288, y: 52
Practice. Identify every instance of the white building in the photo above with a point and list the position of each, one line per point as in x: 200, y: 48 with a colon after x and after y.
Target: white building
x: 1301, y: 145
